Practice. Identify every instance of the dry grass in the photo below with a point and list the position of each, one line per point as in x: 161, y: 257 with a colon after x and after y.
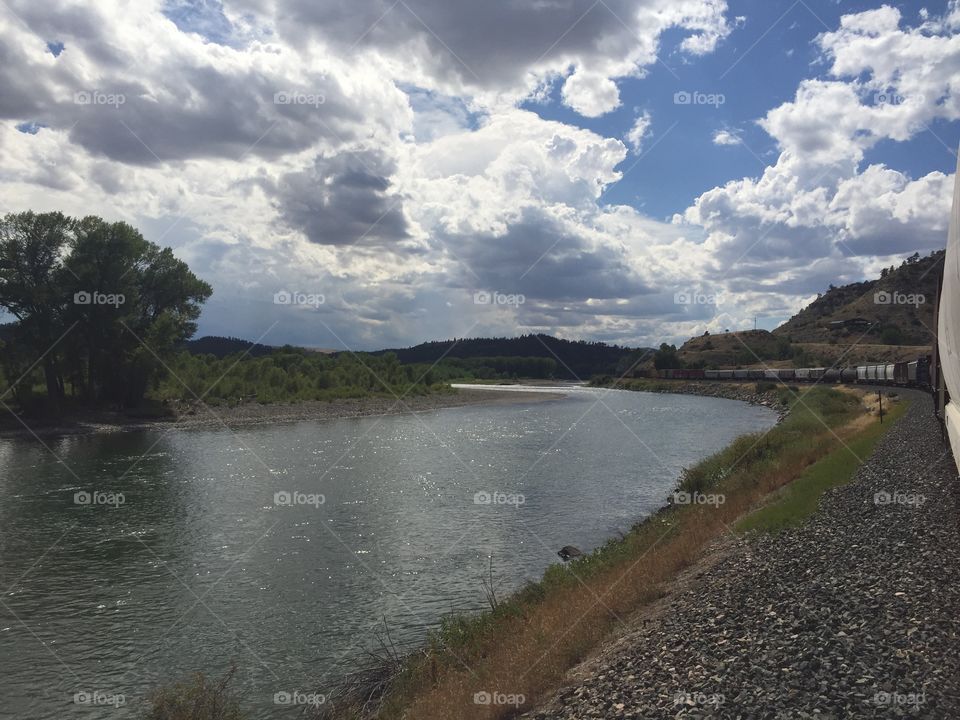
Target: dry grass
x: 527, y: 645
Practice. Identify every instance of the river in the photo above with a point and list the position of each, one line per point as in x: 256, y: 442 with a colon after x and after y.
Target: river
x: 133, y: 559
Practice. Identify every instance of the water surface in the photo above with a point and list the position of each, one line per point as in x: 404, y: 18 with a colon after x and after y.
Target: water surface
x: 200, y: 566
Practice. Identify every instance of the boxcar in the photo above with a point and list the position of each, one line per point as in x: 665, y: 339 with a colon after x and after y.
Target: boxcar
x: 817, y: 373
x: 741, y: 374
x: 725, y: 374
x: 786, y: 374
x: 802, y: 373
x: 711, y: 374
x: 696, y: 374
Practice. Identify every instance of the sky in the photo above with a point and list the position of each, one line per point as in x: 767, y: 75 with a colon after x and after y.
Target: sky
x: 377, y: 173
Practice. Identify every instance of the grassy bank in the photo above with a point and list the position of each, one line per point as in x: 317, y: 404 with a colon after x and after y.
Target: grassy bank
x: 790, y: 505
x: 526, y: 643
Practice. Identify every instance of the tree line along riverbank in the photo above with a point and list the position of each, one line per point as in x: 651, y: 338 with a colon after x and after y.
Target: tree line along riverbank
x: 520, y: 650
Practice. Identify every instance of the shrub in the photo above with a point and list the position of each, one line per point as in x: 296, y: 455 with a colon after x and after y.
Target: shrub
x: 197, y: 700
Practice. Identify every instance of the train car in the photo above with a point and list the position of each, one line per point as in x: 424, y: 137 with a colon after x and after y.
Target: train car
x: 802, y: 374
x: 890, y: 374
x: 754, y: 374
x: 711, y: 374
x: 741, y: 374
x: 771, y: 375
x: 849, y: 375
x: 923, y: 371
x: 786, y: 374
x: 828, y: 375
x: 696, y: 374
x: 861, y: 373
x: 817, y: 373
x: 900, y: 376
x: 725, y: 374
x: 872, y: 375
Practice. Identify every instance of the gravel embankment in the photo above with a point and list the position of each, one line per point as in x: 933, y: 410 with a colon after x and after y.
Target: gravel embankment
x: 856, y: 614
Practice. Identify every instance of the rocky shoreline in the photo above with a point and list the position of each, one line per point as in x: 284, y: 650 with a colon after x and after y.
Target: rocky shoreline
x: 743, y: 391
x: 856, y: 613
x: 192, y: 416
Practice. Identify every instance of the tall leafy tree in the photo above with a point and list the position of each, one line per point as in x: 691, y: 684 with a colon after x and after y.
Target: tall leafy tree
x: 144, y: 301
x: 32, y: 246
x: 122, y: 304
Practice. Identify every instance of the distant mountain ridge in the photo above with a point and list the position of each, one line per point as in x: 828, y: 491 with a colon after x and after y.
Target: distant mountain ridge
x: 576, y: 359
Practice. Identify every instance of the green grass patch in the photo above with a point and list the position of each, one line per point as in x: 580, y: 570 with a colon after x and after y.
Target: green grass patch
x: 811, y: 412
x: 794, y: 503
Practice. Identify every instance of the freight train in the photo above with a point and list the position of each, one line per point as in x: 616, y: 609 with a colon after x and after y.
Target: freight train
x: 906, y: 374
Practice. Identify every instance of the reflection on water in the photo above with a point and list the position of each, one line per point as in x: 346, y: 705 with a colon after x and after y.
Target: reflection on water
x: 392, y: 517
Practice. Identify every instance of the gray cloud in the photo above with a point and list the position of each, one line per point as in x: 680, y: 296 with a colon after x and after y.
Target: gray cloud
x: 542, y: 260
x: 344, y: 199
x: 495, y: 43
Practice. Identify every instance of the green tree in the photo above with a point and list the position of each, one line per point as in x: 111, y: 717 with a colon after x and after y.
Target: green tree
x: 666, y: 357
x: 121, y: 303
x: 31, y: 252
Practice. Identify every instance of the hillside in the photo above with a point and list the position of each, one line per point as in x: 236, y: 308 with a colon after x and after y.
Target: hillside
x: 755, y: 348
x: 896, y: 309
x: 748, y: 347
x: 889, y: 319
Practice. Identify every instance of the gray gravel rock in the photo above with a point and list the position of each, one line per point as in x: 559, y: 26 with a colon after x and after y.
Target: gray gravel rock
x: 854, y: 614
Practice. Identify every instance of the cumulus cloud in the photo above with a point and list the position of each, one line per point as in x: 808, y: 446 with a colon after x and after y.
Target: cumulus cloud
x: 375, y: 152
x: 590, y: 94
x: 344, y: 199
x: 818, y: 202
x: 504, y: 50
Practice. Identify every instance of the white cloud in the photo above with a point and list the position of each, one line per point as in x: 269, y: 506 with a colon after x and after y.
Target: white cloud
x: 590, y: 94
x: 636, y: 135
x: 817, y: 203
x: 727, y: 137
x: 417, y: 179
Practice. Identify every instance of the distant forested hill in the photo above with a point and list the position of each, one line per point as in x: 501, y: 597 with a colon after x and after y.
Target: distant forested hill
x: 574, y: 359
